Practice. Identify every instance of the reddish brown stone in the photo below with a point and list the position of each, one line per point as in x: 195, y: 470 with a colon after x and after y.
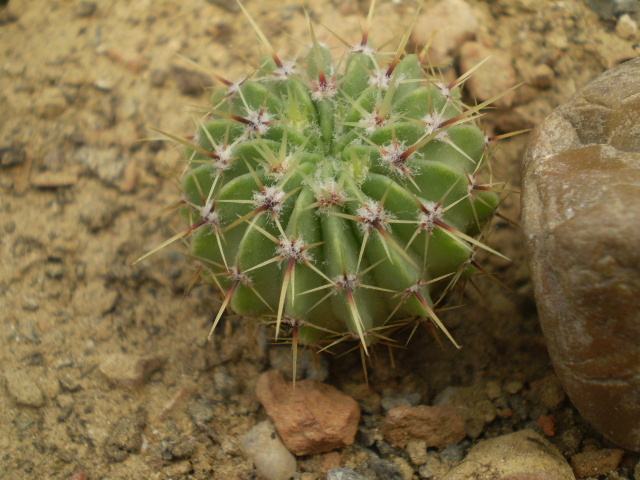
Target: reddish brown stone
x: 312, y: 417
x: 581, y: 219
x: 438, y: 426
x: 596, y: 462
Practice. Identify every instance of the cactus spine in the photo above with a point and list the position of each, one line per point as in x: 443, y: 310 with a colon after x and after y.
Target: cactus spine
x: 338, y: 201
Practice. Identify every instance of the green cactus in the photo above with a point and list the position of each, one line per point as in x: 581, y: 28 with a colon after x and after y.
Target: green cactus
x: 338, y: 202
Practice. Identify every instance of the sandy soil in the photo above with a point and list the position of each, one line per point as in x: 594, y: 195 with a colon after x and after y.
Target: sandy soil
x: 81, y: 83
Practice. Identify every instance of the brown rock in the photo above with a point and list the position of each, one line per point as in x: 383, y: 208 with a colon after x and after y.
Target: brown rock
x: 523, y: 455
x: 438, y: 426
x: 312, y: 417
x: 581, y: 219
x: 596, y: 462
x: 452, y: 22
x: 492, y: 78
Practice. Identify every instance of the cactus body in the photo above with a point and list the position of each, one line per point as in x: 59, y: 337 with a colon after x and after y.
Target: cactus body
x: 337, y: 200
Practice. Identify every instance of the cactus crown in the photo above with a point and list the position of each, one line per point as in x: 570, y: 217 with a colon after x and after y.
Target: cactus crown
x: 337, y: 200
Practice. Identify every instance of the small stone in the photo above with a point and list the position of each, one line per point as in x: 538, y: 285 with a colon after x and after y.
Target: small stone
x: 107, y: 164
x: 54, y: 180
x: 548, y: 392
x: 452, y: 454
x: 473, y: 405
x: 264, y: 447
x: 344, y: 474
x: 406, y: 471
x: 493, y: 390
x: 379, y: 468
x: 22, y: 389
x: 50, y: 102
x: 513, y: 387
x: 225, y: 384
x: 433, y: 468
x: 538, y: 75
x: 438, y: 426
x: 180, y: 449
x: 453, y: 22
x: 85, y: 9
x: 13, y: 154
x: 202, y: 412
x: 581, y: 220
x: 417, y: 451
x: 312, y: 417
x: 597, y: 462
x: 126, y: 436
x: 492, y: 78
x: 627, y: 27
x: 178, y: 469
x: 94, y: 298
x: 523, y: 455
x: 548, y: 425
x: 129, y: 371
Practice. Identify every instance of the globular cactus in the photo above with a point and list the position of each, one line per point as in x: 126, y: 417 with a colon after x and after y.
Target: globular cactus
x: 338, y: 201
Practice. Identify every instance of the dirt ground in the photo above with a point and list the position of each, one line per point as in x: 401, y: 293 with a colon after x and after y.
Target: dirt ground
x: 81, y: 83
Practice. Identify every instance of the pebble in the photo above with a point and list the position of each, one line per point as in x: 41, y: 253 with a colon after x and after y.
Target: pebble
x: 264, y: 447
x: 179, y: 449
x: 22, y: 389
x: 581, y: 220
x: 13, y: 154
x: 473, y: 404
x: 452, y: 454
x: 548, y: 425
x: 311, y: 417
x: 226, y: 385
x: 50, y: 103
x: 310, y: 366
x: 129, y: 371
x: 54, y: 180
x: 404, y: 468
x: 438, y: 426
x: 380, y: 469
x: 94, y: 298
x: 417, y: 451
x: 125, y: 437
x: 453, y: 22
x: 345, y: 474
x: 627, y: 27
x: 493, y: 77
x: 433, y: 468
x: 514, y: 386
x: 548, y: 391
x: 107, y: 164
x: 523, y: 455
x: 85, y: 9
x: 596, y: 462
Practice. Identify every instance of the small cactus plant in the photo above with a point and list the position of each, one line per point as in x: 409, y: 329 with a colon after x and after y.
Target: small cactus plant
x: 338, y: 201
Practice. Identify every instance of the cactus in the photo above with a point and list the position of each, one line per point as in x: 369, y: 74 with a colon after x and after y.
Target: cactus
x: 337, y: 201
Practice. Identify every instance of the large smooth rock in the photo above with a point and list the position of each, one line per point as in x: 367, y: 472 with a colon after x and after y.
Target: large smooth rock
x: 522, y: 455
x: 581, y: 219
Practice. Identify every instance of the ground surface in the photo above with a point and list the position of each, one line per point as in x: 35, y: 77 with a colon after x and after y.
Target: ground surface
x: 81, y: 83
